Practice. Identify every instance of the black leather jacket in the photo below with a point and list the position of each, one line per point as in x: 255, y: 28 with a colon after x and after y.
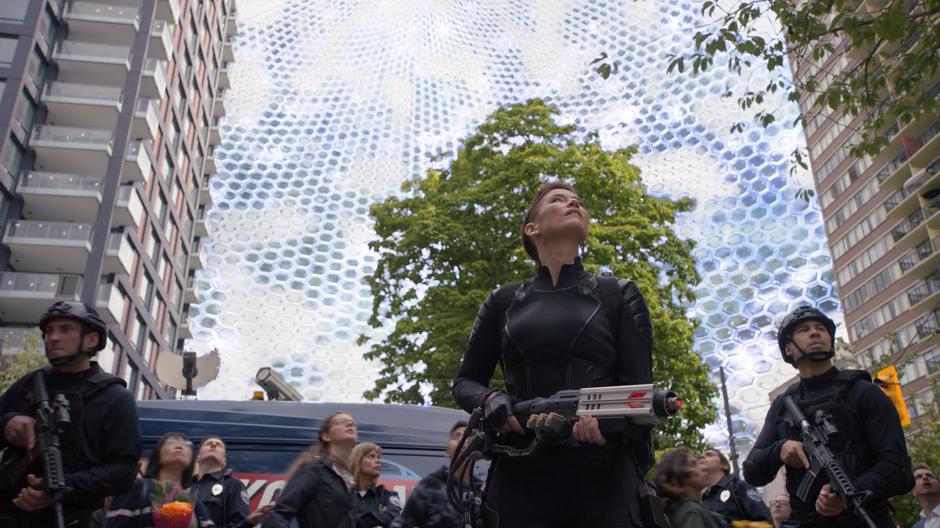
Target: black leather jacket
x: 586, y: 331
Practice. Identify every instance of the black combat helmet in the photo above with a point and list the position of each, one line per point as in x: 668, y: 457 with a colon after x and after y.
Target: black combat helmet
x: 801, y: 314
x: 84, y: 314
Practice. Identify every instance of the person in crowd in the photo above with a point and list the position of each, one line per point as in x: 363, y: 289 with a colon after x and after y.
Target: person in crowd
x: 780, y: 509
x: 927, y: 492
x: 100, y: 445
x: 375, y: 506
x: 870, y: 440
x: 428, y: 507
x: 318, y: 492
x: 727, y: 495
x: 564, y: 328
x: 171, y: 462
x: 224, y: 496
x: 679, y: 480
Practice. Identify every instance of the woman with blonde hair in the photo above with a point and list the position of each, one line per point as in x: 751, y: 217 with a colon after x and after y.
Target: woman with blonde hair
x: 373, y: 504
x: 318, y: 493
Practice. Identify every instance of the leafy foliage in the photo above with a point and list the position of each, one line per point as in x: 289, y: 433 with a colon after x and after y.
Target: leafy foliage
x: 862, y: 64
x: 28, y: 358
x: 454, y: 235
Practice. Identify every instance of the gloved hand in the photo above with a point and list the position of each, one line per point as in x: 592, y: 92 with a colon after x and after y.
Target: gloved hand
x: 498, y: 412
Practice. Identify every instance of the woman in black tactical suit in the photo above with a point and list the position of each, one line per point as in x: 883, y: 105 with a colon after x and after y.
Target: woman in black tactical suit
x: 562, y: 329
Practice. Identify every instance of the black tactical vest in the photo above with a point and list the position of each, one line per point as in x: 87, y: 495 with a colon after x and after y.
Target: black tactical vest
x: 849, y: 444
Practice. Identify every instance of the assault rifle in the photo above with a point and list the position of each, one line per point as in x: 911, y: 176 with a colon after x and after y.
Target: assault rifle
x: 816, y: 445
x: 50, y: 418
x: 640, y: 404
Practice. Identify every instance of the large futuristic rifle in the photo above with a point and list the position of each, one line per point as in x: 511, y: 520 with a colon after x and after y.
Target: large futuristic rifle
x: 640, y: 404
x: 50, y: 418
x: 816, y: 445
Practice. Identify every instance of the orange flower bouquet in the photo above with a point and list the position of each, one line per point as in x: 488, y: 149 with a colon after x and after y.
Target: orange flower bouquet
x: 172, y: 506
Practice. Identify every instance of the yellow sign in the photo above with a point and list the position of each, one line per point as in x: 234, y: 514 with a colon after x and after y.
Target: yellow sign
x: 887, y: 379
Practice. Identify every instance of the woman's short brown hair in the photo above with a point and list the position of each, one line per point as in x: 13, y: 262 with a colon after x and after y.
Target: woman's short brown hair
x: 671, y: 473
x: 531, y: 214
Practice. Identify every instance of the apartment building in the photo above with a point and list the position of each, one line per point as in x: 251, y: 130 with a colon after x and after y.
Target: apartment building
x: 881, y: 216
x: 109, y: 113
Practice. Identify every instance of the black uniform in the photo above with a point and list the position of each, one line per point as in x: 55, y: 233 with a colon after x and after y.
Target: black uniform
x: 375, y: 506
x: 736, y: 500
x: 585, y: 332
x: 100, y: 447
x: 428, y: 507
x: 316, y: 496
x: 870, y: 445
x: 225, y: 498
x: 134, y: 508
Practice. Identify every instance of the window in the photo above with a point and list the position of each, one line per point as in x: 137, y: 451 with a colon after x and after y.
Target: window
x: 7, y: 50
x: 10, y: 157
x: 166, y: 167
x: 36, y: 69
x: 141, y: 335
x: 146, y: 288
x: 177, y: 293
x: 173, y: 133
x: 154, y: 246
x: 13, y: 11
x: 25, y: 110
x: 160, y: 211
x: 156, y: 309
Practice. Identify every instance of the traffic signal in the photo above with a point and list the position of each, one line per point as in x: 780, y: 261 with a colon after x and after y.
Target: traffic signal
x: 887, y: 379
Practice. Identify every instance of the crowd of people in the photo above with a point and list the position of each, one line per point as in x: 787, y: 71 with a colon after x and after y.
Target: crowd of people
x: 564, y: 328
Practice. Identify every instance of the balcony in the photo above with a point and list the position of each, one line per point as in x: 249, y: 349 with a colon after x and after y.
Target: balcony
x: 907, y: 225
x: 153, y: 81
x: 49, y: 247
x: 201, y: 229
x: 68, y: 149
x: 227, y: 53
x: 111, y: 302
x: 210, y: 167
x: 928, y: 325
x: 230, y: 25
x: 205, y: 194
x: 224, y: 80
x: 60, y: 197
x: 25, y: 296
x: 924, y: 289
x: 92, y: 63
x: 137, y: 165
x: 196, y: 259
x: 929, y: 150
x: 161, y: 40
x: 185, y: 328
x: 119, y: 256
x: 168, y: 11
x: 218, y: 106
x: 84, y: 105
x: 192, y: 289
x: 129, y: 208
x: 146, y: 122
x: 101, y: 23
x: 215, y: 137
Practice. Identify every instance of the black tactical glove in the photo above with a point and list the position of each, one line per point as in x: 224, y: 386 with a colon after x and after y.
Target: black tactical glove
x: 498, y: 409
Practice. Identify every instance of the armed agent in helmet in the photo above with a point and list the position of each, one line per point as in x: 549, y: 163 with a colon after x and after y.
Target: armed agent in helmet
x: 100, y: 444
x: 869, y: 442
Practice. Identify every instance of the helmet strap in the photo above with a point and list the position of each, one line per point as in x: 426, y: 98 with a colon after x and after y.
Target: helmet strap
x: 812, y: 356
x: 62, y: 361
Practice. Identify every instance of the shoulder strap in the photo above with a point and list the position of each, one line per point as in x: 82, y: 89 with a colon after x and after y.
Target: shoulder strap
x: 100, y: 381
x: 851, y: 376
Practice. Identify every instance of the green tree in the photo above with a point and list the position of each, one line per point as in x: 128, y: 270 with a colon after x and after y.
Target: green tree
x: 890, y: 50
x: 454, y: 235
x: 28, y: 357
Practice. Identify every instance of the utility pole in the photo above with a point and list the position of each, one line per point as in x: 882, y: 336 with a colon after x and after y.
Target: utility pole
x: 724, y: 394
